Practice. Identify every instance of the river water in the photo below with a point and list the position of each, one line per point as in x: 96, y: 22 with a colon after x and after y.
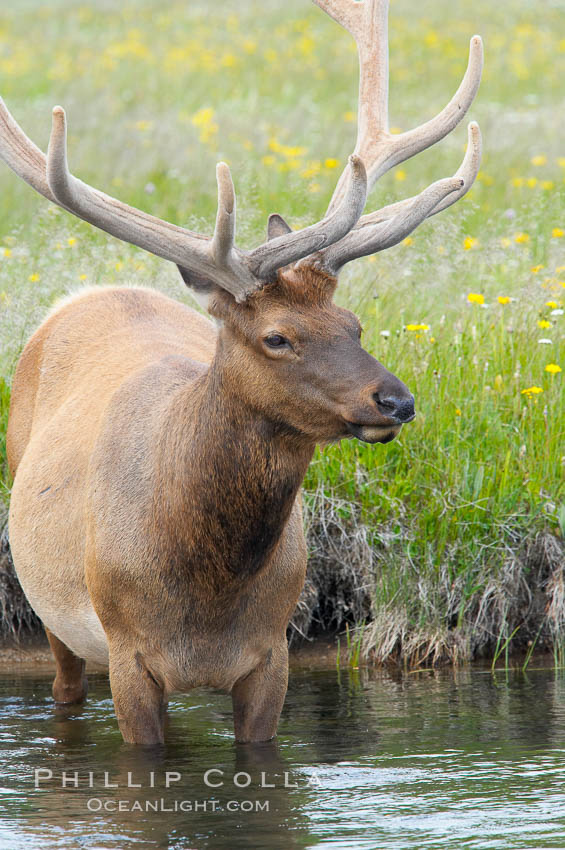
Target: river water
x: 363, y: 760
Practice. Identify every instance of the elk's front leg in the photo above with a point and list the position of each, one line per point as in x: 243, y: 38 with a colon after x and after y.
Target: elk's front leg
x: 258, y: 698
x: 139, y: 699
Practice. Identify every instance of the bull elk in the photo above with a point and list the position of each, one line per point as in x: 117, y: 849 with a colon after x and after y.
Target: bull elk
x: 155, y: 520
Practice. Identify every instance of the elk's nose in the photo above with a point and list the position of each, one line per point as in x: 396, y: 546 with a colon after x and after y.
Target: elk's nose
x: 401, y: 409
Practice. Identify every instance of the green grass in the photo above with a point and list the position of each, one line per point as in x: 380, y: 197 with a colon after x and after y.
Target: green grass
x: 156, y: 95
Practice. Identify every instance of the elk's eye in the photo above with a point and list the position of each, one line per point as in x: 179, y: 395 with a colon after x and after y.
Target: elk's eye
x: 276, y: 341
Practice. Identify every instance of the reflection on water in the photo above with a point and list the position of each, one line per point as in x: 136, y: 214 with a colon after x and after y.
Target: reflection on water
x: 363, y: 760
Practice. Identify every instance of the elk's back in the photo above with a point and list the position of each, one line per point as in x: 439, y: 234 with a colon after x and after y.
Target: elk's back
x: 88, y: 346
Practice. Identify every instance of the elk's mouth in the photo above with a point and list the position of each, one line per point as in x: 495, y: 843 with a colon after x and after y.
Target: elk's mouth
x: 373, y: 433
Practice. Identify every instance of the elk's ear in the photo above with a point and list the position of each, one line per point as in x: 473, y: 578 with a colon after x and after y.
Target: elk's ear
x: 201, y: 288
x: 277, y: 226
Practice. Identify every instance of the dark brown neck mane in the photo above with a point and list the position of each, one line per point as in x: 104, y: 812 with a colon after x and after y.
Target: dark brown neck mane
x: 235, y: 475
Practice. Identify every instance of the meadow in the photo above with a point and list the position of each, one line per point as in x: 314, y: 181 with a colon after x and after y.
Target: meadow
x: 446, y: 544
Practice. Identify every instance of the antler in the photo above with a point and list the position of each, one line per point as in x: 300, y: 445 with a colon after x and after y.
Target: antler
x: 380, y: 150
x: 338, y: 238
x: 215, y: 260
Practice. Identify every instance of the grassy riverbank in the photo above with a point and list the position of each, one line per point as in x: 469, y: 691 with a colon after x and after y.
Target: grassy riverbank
x: 450, y: 536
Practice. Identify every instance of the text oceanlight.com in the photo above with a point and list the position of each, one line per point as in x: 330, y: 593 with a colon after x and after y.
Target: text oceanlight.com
x: 96, y: 804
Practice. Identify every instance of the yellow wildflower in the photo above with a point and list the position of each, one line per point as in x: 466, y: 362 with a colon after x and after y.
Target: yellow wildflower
x: 529, y: 391
x: 553, y: 304
x: 469, y: 242
x: 518, y: 182
x: 203, y: 117
x: 532, y: 182
x: 82, y: 277
x: 204, y: 120
x: 503, y: 299
x: 539, y: 159
x: 349, y: 116
x: 293, y: 152
x: 457, y: 412
x: 475, y: 298
x: 400, y: 175
x: 536, y: 269
x: 417, y: 327
x: 71, y: 241
x: 34, y: 277
x: 521, y: 238
x: 548, y: 185
x: 268, y: 160
x: 557, y: 232
x: 407, y: 241
x: 331, y: 162
x: 7, y: 252
x: 543, y: 323
x: 553, y: 368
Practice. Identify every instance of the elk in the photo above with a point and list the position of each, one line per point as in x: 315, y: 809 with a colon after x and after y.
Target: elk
x: 155, y: 520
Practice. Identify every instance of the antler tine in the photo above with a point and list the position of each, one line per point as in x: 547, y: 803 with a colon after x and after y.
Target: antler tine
x: 109, y: 214
x: 291, y: 247
x: 224, y: 233
x: 369, y: 240
x: 413, y: 141
x: 21, y: 155
x: 468, y: 170
x: 387, y: 227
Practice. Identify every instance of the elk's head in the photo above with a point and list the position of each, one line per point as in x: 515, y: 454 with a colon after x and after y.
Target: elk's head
x: 297, y: 357
x: 292, y: 351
